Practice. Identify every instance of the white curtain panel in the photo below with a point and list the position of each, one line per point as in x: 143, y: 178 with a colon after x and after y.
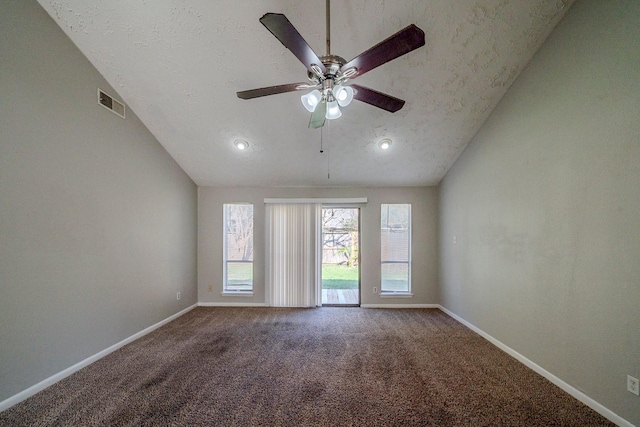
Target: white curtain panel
x: 292, y: 247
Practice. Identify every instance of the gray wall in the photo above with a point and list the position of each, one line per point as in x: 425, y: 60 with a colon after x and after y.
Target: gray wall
x: 97, y: 222
x: 545, y: 208
x: 424, y: 210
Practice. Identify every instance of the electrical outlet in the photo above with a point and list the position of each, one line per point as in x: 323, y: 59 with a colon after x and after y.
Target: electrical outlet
x: 178, y: 296
x: 632, y: 385
x: 210, y: 288
x: 375, y: 290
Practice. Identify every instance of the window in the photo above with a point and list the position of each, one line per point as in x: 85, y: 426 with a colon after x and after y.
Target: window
x: 238, y: 248
x: 395, y: 239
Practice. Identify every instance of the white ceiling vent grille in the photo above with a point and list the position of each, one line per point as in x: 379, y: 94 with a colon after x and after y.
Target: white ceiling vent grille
x: 111, y: 104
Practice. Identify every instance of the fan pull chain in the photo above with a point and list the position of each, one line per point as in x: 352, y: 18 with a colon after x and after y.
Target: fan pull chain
x: 328, y: 156
x: 322, y: 150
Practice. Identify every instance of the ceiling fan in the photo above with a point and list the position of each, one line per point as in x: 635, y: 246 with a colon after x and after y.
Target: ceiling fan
x: 328, y: 74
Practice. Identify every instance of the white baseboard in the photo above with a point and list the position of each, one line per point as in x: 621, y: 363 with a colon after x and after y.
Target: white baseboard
x: 6, y: 404
x: 602, y: 410
x: 399, y: 305
x: 232, y: 304
x: 261, y: 304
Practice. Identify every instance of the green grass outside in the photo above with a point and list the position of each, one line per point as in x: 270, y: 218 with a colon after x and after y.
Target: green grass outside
x: 240, y: 276
x: 395, y: 278
x: 336, y: 276
x: 394, y: 285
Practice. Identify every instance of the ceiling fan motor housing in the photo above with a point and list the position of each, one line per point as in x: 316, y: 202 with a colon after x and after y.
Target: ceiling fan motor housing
x: 332, y: 63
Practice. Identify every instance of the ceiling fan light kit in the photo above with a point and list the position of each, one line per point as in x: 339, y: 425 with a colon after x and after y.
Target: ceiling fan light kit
x: 328, y: 74
x: 333, y: 110
x: 311, y: 100
x: 344, y: 95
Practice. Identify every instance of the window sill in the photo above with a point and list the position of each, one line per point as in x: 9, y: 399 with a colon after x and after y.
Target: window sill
x: 396, y: 295
x: 237, y: 294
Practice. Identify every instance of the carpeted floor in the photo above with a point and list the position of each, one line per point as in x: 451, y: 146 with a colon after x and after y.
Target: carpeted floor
x: 306, y: 367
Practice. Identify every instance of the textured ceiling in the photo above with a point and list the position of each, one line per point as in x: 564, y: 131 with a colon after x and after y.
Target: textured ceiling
x: 179, y: 63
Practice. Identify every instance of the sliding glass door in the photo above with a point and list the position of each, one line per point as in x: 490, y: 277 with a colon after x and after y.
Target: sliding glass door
x: 340, y: 256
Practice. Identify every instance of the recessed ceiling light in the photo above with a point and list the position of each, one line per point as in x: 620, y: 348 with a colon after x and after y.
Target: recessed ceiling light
x: 241, y: 144
x: 384, y: 144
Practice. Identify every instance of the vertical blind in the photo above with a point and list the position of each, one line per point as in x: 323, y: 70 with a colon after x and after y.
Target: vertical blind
x: 292, y: 244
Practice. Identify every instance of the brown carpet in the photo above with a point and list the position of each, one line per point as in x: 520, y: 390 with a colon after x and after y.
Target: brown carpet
x: 299, y: 367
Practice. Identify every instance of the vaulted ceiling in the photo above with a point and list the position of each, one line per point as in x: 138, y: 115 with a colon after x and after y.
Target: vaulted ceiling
x: 179, y: 63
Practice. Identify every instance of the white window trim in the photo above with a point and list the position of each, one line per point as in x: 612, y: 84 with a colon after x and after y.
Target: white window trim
x: 390, y: 294
x: 226, y: 292
x: 237, y: 293
x: 408, y: 293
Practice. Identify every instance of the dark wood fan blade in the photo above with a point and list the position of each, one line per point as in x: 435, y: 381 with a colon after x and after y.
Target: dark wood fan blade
x: 377, y: 99
x: 404, y: 41
x: 271, y: 90
x: 284, y: 31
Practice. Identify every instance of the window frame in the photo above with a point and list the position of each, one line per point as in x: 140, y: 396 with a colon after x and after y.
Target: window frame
x: 225, y: 254
x: 408, y: 291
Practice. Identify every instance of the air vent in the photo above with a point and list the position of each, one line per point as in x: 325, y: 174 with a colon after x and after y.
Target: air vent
x: 111, y: 104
